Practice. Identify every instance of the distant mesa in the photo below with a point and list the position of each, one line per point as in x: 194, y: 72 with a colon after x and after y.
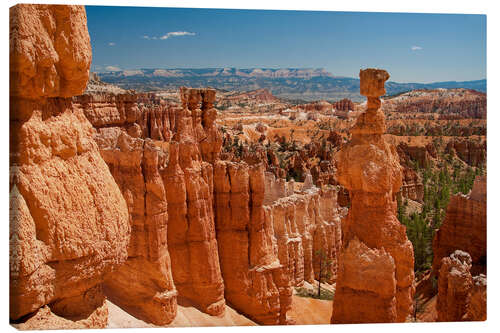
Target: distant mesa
x: 308, y: 84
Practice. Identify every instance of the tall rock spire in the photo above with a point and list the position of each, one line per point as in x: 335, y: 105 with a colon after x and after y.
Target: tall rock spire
x: 375, y: 280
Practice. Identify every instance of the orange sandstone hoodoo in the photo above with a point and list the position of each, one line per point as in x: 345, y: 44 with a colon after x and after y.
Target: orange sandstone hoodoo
x: 68, y: 219
x: 375, y: 281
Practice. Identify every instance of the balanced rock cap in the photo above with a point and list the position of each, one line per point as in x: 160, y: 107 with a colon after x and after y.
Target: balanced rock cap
x: 372, y: 82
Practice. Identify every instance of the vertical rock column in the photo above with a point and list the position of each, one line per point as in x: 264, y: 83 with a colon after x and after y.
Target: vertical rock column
x: 143, y: 286
x: 375, y: 280
x: 454, y: 286
x: 328, y: 234
x: 188, y: 182
x: 68, y: 220
x: 290, y: 249
x: 256, y: 283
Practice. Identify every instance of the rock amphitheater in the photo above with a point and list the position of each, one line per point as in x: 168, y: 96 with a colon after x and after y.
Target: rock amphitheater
x: 119, y: 199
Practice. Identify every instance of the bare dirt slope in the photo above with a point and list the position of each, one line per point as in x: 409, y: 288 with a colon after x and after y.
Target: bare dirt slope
x: 310, y: 311
x: 186, y: 317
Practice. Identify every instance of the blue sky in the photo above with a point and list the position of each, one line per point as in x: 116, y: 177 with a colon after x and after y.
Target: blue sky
x: 412, y: 47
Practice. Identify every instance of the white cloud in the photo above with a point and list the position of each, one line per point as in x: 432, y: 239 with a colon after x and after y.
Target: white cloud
x: 111, y: 44
x: 416, y: 48
x: 113, y: 68
x: 171, y: 34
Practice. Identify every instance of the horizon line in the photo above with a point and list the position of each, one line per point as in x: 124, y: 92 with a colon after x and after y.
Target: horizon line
x: 275, y: 68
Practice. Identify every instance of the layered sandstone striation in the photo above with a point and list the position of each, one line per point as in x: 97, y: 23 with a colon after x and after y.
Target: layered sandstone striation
x: 143, y: 285
x: 193, y: 181
x: 459, y: 103
x: 459, y: 248
x: 464, y: 228
x: 323, y: 107
x: 421, y: 154
x: 375, y: 281
x: 68, y: 219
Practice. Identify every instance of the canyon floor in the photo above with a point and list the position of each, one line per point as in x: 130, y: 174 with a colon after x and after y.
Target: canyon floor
x: 186, y: 317
x: 305, y: 311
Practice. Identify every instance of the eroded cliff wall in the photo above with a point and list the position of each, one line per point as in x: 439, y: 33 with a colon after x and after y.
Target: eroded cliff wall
x: 460, y: 297
x: 464, y: 228
x: 154, y: 151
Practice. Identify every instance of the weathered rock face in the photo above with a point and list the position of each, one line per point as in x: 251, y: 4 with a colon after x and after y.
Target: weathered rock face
x: 421, y: 154
x: 476, y: 310
x: 464, y: 228
x: 188, y: 180
x: 369, y: 168
x: 109, y: 110
x: 471, y: 152
x: 367, y: 292
x: 302, y: 223
x: 318, y: 106
x: 454, y: 285
x: 50, y: 51
x: 68, y: 220
x: 305, y: 221
x: 461, y: 297
x: 412, y: 187
x: 255, y: 282
x: 47, y: 320
x: 344, y: 105
x: 143, y: 285
x: 453, y: 103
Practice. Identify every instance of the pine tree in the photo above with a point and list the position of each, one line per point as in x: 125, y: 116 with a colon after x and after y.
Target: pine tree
x: 325, y: 265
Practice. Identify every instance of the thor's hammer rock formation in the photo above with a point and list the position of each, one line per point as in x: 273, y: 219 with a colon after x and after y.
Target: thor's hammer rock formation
x: 375, y: 281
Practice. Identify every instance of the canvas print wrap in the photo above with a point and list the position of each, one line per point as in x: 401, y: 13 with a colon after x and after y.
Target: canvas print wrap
x: 216, y: 196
